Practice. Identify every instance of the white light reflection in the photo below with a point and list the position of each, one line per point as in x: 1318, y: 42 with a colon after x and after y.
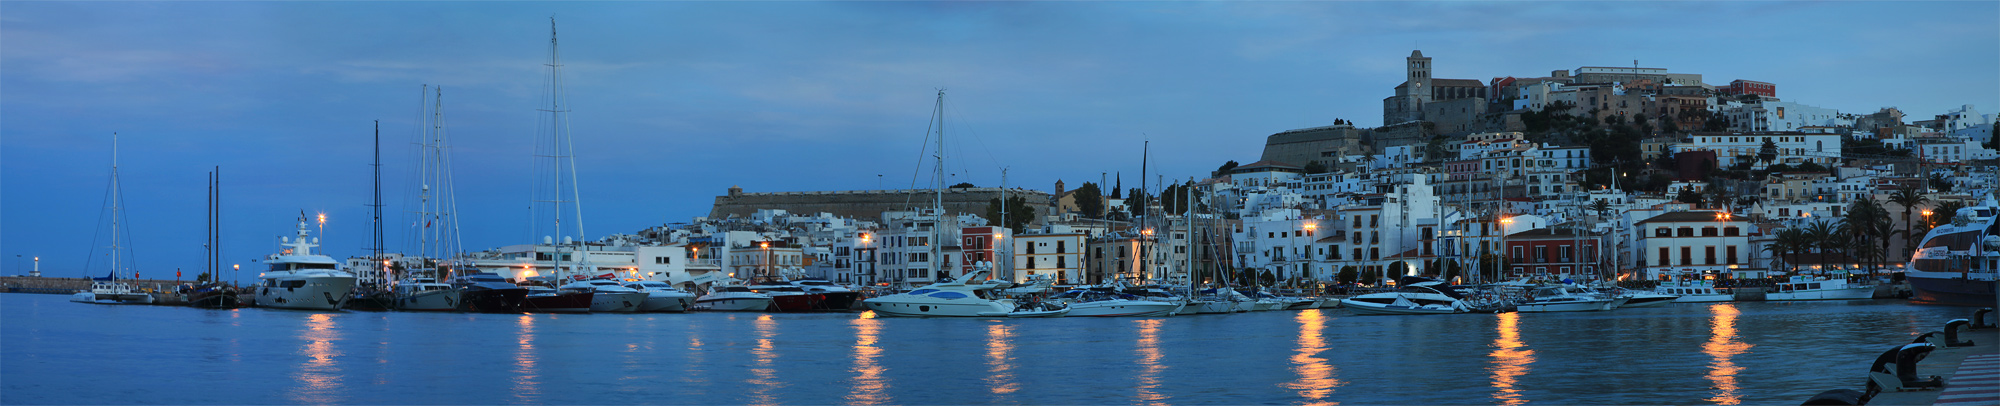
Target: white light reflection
x: 1149, y: 363
x: 1316, y: 376
x: 1000, y: 359
x: 319, y: 379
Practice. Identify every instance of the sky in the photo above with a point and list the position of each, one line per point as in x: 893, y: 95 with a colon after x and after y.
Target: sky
x: 674, y: 102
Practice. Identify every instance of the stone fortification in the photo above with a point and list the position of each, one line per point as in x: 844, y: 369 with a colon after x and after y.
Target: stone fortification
x: 870, y: 204
x: 1323, y: 144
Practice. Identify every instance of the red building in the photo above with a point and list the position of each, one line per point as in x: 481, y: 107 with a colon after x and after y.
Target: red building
x: 980, y: 244
x: 1742, y: 87
x: 1553, y: 254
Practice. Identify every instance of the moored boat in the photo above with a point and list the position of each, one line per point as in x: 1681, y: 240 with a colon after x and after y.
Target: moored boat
x: 486, y: 292
x: 949, y: 298
x: 733, y: 298
x: 1425, y: 297
x: 1821, y: 288
x: 662, y: 297
x: 1958, y: 263
x: 301, y: 279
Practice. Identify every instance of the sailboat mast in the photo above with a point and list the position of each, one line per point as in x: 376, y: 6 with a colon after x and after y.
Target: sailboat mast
x: 377, y: 249
x: 116, y: 199
x: 937, y: 224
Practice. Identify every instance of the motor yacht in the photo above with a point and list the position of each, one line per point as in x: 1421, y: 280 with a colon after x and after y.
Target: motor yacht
x: 1821, y: 288
x: 487, y: 292
x: 948, y: 298
x: 544, y: 299
x: 1644, y: 298
x: 1566, y: 298
x: 662, y: 297
x: 733, y: 298
x: 301, y: 279
x: 1694, y: 292
x: 1429, y: 297
x: 1109, y: 302
x: 1958, y: 263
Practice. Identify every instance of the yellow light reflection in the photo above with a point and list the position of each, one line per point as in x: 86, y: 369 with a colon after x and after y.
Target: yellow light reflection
x: 1510, y: 360
x: 527, y: 376
x: 1316, y: 376
x: 1723, y: 346
x: 319, y: 379
x: 870, y: 388
x: 1000, y: 359
x: 766, y: 354
x: 1149, y: 362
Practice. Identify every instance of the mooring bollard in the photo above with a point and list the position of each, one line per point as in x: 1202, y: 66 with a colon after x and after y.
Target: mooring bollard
x: 1925, y: 337
x: 1951, y: 333
x: 1979, y: 318
x: 1896, y: 370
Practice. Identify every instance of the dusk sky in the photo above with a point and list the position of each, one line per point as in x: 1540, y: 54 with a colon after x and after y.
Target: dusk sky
x: 677, y: 101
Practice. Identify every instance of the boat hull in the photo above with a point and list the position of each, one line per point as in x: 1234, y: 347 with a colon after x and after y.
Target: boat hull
x: 1952, y: 290
x: 1367, y: 308
x: 734, y: 304
x: 557, y: 303
x: 1649, y: 301
x: 1215, y: 307
x: 616, y: 302
x: 1570, y: 306
x: 1123, y: 308
x: 975, y: 308
x: 319, y: 293
x: 667, y: 303
x: 492, y: 300
x: 431, y: 301
x: 114, y: 298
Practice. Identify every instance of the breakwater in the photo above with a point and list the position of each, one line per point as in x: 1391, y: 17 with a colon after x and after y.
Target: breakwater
x: 64, y: 286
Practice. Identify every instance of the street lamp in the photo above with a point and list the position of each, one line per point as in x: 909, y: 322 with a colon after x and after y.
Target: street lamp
x: 1500, y: 265
x: 766, y: 246
x: 1927, y: 219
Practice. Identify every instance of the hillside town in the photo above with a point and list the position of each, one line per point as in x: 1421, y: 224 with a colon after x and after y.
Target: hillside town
x: 1587, y: 174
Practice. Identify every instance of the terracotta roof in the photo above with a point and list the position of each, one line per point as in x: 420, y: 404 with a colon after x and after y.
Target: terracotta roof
x: 1681, y: 217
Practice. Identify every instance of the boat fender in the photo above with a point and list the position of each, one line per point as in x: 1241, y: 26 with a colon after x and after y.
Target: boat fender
x: 1838, y: 397
x: 1951, y: 333
x: 1979, y: 318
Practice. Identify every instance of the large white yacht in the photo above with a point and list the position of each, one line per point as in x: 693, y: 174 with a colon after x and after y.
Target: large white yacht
x: 950, y: 298
x: 424, y: 293
x: 301, y: 279
x: 1567, y: 298
x: 609, y: 295
x: 1109, y: 302
x: 733, y: 298
x: 1959, y: 262
x: 1694, y: 292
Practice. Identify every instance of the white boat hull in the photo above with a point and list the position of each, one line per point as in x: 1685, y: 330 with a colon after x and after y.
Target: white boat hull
x: 121, y: 298
x: 1039, y: 313
x: 319, y: 293
x: 1367, y: 308
x: 1855, y: 293
x: 1215, y: 307
x: 1569, y: 306
x: 667, y: 303
x: 1649, y: 301
x: 1123, y: 308
x: 961, y: 308
x: 1709, y: 298
x: 435, y: 300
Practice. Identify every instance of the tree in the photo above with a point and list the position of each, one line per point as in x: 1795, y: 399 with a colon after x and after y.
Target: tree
x: 1315, y: 167
x: 1777, y: 168
x: 1089, y: 200
x: 1138, y: 201
x: 1945, y: 212
x: 1940, y: 183
x: 963, y: 185
x: 1768, y: 152
x: 1719, y: 195
x: 1225, y: 168
x: 1689, y: 196
x: 1370, y: 278
x: 1348, y: 274
x: 1019, y: 214
x: 1811, y: 167
x: 1909, y: 198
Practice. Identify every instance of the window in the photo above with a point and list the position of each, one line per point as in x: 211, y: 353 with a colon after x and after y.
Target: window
x: 1710, y: 255
x: 1687, y: 255
x: 1665, y: 259
x: 1061, y: 248
x: 1732, y: 254
x: 1731, y: 231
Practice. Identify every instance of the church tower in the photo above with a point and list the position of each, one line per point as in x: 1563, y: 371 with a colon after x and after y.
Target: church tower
x: 1419, y: 76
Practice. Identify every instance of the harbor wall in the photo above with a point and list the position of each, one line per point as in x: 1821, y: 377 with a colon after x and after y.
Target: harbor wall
x: 870, y: 204
x: 64, y: 286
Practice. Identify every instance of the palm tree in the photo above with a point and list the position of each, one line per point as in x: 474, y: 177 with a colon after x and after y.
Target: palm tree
x: 1784, y: 244
x: 1886, y: 230
x: 1909, y: 198
x: 1719, y: 196
x: 1823, y: 236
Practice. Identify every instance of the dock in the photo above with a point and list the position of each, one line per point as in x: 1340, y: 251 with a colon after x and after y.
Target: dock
x: 1971, y: 374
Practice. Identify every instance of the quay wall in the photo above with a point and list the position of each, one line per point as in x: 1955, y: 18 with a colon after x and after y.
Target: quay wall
x: 27, y: 284
x: 870, y: 204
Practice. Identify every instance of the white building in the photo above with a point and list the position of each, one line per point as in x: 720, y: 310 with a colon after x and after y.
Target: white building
x: 1697, y: 244
x: 1793, y: 148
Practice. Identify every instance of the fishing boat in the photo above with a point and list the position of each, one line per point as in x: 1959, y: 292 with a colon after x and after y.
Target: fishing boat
x: 1958, y: 263
x: 300, y: 279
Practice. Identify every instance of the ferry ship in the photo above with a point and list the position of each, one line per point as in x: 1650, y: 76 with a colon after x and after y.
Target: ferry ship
x: 1957, y: 263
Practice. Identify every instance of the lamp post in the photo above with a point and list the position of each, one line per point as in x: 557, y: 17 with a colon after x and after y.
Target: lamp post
x: 1306, y: 268
x: 766, y: 246
x: 1500, y: 265
x: 1927, y: 220
x: 1721, y: 224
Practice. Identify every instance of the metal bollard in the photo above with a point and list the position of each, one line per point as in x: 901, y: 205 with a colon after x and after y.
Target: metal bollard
x: 1951, y: 333
x: 1979, y: 318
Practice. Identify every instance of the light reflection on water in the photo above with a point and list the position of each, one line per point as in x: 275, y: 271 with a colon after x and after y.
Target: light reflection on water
x: 766, y: 355
x: 1722, y: 345
x: 1149, y: 362
x: 1316, y: 377
x: 1000, y: 359
x: 870, y: 387
x: 319, y: 379
x: 527, y: 385
x: 1510, y: 360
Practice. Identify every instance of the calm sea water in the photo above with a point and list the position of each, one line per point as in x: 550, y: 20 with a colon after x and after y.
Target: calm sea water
x: 55, y: 351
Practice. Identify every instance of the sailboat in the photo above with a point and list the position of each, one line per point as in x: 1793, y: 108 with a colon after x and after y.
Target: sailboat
x: 107, y: 290
x: 422, y: 287
x: 964, y: 297
x: 569, y: 299
x: 214, y: 294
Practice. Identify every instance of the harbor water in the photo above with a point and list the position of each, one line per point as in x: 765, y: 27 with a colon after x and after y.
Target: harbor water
x: 56, y: 352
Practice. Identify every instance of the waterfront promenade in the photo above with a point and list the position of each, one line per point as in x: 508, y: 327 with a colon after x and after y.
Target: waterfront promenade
x: 1971, y: 374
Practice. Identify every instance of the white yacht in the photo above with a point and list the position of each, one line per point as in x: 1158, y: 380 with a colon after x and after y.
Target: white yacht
x: 733, y: 298
x: 1108, y: 302
x: 609, y: 296
x: 427, y: 294
x: 1821, y: 288
x: 1566, y: 298
x: 301, y: 279
x: 1412, y: 298
x: 109, y: 291
x: 661, y: 297
x: 1640, y: 298
x: 950, y: 298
